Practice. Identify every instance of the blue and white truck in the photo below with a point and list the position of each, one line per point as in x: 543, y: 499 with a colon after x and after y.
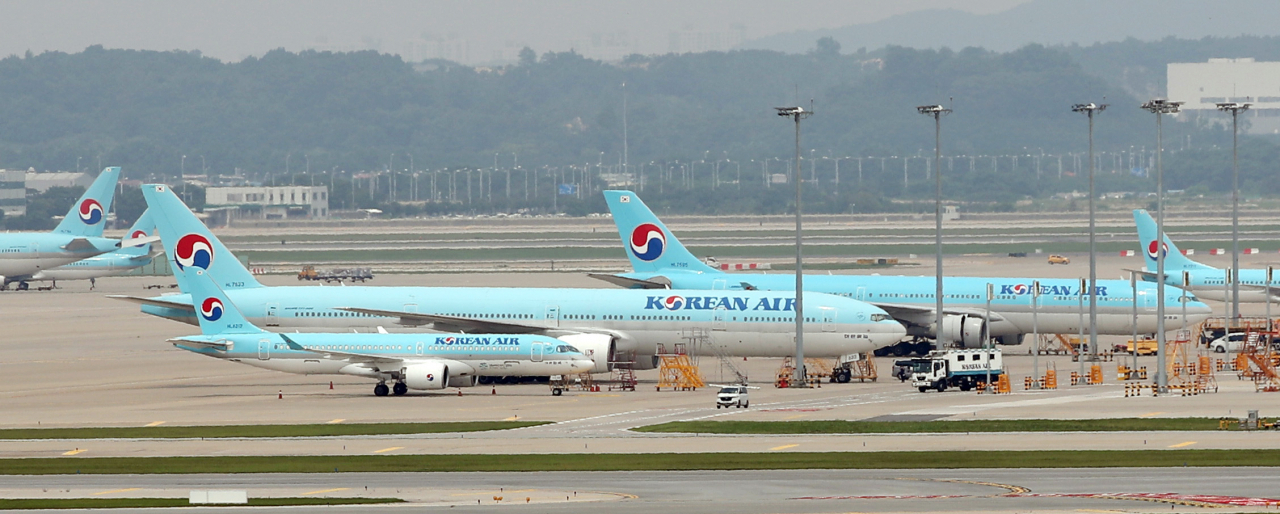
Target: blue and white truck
x: 963, y: 369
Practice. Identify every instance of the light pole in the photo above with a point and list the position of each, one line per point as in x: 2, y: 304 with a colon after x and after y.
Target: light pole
x: 937, y: 112
x: 1235, y: 109
x: 1160, y: 107
x: 1089, y: 109
x: 797, y: 114
x: 182, y: 170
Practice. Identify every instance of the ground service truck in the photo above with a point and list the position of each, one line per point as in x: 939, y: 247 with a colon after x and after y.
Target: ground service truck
x: 963, y: 369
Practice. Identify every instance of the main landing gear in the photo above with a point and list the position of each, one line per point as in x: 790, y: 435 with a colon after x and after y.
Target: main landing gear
x: 382, y: 390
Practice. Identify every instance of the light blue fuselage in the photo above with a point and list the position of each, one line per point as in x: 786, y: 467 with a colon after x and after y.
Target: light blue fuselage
x: 1057, y: 310
x: 23, y: 254
x: 742, y: 323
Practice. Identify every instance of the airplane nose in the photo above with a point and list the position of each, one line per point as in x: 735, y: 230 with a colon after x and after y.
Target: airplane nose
x: 583, y: 365
x: 887, y: 332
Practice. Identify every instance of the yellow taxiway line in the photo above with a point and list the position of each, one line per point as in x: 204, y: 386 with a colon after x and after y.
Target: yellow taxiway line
x: 1150, y: 414
x: 1180, y: 445
x: 783, y: 447
x: 154, y: 424
x: 113, y: 491
x: 391, y: 449
x: 322, y: 491
x: 336, y: 421
x: 76, y: 451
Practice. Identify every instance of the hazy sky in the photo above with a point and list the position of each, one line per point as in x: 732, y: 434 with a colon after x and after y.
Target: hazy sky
x: 470, y: 31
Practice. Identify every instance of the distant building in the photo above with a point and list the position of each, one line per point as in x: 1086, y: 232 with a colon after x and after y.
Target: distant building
x: 271, y: 202
x: 13, y: 192
x: 43, y: 181
x: 1202, y: 85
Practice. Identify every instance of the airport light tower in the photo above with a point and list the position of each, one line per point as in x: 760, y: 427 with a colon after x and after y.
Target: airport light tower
x: 1089, y: 109
x: 1160, y: 107
x: 937, y: 112
x: 798, y: 380
x: 1235, y: 109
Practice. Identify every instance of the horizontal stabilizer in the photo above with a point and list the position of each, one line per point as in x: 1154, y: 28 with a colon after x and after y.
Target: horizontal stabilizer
x: 154, y: 302
x: 197, y: 343
x: 79, y: 244
x: 633, y: 283
x: 138, y: 241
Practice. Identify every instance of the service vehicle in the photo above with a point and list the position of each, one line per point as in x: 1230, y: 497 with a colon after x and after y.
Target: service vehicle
x: 962, y: 369
x: 1059, y: 259
x: 733, y: 396
x: 1143, y: 347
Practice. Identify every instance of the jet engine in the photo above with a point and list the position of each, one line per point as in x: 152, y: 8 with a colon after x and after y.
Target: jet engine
x: 426, y: 375
x: 600, y: 348
x: 463, y: 380
x: 964, y: 329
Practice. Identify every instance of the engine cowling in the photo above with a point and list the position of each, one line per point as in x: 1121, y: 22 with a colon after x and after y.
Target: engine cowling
x: 426, y: 375
x: 463, y: 380
x: 963, y: 329
x: 600, y: 348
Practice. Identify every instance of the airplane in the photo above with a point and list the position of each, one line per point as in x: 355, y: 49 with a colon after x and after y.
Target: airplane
x: 1203, y: 280
x: 659, y: 261
x: 110, y: 264
x: 609, y: 325
x: 411, y: 361
x: 78, y: 236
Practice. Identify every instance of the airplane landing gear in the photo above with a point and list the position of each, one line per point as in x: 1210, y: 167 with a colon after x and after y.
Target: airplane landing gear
x: 400, y: 389
x: 24, y: 286
x: 381, y: 389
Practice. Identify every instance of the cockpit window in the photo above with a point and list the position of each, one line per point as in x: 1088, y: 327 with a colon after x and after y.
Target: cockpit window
x: 881, y: 317
x: 564, y: 348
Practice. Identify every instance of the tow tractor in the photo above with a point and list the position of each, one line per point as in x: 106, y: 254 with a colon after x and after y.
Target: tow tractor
x: 962, y: 369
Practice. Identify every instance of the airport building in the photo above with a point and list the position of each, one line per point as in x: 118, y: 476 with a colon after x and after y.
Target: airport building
x: 270, y: 202
x: 13, y: 192
x: 1202, y: 85
x: 41, y: 182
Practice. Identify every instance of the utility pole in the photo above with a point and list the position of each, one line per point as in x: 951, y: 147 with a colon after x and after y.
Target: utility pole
x: 798, y: 113
x: 1160, y: 107
x: 1235, y: 109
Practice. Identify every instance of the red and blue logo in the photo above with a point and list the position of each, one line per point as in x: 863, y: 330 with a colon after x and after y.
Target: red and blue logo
x: 673, y: 303
x: 90, y: 211
x: 1021, y: 289
x: 1151, y: 250
x: 193, y: 250
x: 211, y: 309
x: 648, y: 242
x: 137, y: 234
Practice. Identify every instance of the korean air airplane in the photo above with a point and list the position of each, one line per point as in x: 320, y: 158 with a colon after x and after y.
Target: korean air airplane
x: 659, y: 261
x: 23, y: 255
x: 1205, y: 281
x: 608, y: 325
x: 411, y: 361
x: 111, y: 264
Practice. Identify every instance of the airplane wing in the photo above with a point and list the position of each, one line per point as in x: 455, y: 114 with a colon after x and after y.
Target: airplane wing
x: 633, y: 283
x: 220, y: 346
x: 354, y: 358
x: 153, y: 302
x: 451, y: 323
x: 900, y: 311
x: 78, y: 244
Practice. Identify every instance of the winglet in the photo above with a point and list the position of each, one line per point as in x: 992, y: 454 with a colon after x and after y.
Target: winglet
x: 649, y: 245
x: 89, y: 214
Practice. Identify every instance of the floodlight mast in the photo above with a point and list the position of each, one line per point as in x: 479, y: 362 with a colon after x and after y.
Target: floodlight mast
x: 937, y: 112
x: 1235, y: 108
x: 798, y: 379
x: 1089, y: 109
x: 1160, y: 107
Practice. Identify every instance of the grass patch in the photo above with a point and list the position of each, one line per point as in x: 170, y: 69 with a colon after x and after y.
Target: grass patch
x: 222, y: 431
x: 142, y: 503
x: 920, y: 427
x: 642, y: 462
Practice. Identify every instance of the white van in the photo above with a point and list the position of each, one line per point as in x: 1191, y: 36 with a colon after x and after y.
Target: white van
x: 732, y: 396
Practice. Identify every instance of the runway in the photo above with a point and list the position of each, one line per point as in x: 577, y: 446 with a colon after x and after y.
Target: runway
x: 748, y: 492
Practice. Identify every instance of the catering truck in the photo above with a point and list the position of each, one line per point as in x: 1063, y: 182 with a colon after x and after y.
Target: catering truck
x: 963, y: 369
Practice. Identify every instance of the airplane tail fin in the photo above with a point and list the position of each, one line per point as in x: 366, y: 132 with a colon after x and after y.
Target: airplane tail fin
x: 1174, y: 260
x: 190, y: 244
x: 214, y: 311
x: 143, y: 227
x: 89, y: 214
x: 646, y: 241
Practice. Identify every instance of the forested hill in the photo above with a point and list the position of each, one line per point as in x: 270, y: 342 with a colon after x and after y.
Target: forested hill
x: 143, y: 110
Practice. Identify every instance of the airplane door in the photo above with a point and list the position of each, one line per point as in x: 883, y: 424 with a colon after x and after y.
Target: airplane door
x: 35, y: 254
x: 718, y: 319
x: 718, y: 284
x: 861, y: 294
x: 536, y: 352
x: 419, y: 348
x: 828, y: 319
x: 273, y: 315
x: 553, y: 315
x: 264, y: 350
